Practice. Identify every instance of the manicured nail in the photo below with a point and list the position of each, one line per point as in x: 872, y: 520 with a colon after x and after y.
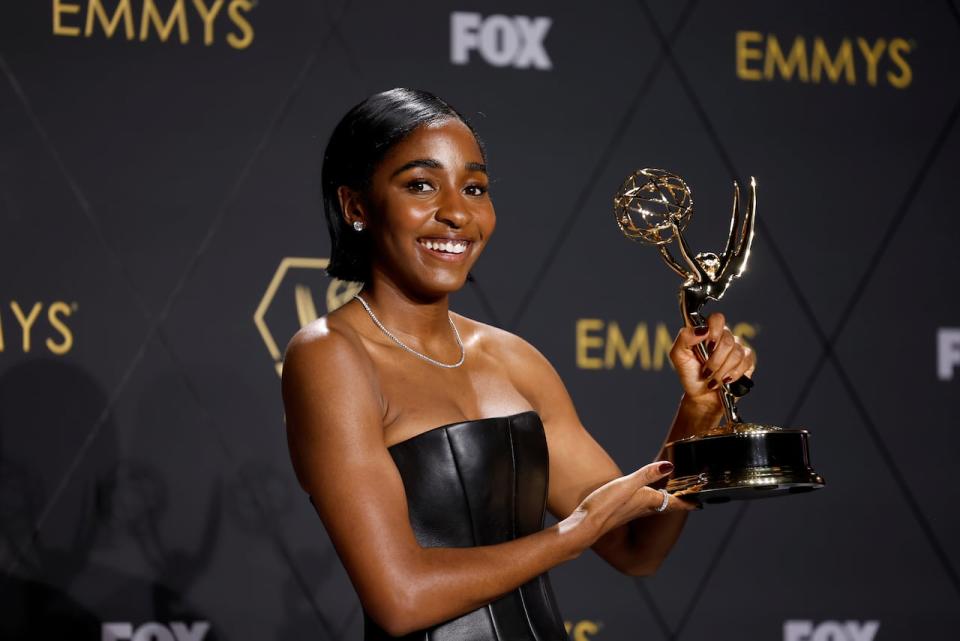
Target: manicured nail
x: 712, y: 384
x: 707, y: 372
x: 727, y: 379
x: 665, y: 468
x: 701, y: 331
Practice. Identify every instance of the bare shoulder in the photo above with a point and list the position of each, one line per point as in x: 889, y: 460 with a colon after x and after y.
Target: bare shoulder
x: 325, y: 357
x: 506, y: 347
x: 318, y: 343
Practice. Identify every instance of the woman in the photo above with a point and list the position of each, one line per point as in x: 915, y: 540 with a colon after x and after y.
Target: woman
x: 441, y: 528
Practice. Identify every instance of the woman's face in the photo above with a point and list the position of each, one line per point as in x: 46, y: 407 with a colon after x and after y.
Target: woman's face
x: 428, y: 210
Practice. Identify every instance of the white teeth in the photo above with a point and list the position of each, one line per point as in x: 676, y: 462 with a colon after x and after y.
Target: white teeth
x: 450, y: 246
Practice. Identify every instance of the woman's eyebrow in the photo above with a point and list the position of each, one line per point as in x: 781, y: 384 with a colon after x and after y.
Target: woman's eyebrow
x: 476, y: 166
x: 430, y: 163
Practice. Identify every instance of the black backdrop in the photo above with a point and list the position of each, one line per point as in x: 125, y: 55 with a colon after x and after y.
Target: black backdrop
x: 163, y: 238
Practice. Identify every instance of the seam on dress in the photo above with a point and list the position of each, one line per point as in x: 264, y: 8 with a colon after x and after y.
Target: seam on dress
x: 473, y: 528
x: 515, y: 518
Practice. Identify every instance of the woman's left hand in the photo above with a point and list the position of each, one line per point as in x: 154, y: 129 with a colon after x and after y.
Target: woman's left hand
x: 728, y: 360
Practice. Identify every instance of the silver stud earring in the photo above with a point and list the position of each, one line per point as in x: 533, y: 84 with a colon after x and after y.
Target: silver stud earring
x: 358, y: 225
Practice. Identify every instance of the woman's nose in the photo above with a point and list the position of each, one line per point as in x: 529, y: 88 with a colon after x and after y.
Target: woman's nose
x: 453, y: 210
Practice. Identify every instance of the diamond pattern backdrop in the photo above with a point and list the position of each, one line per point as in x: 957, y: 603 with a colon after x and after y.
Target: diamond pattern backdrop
x: 150, y: 188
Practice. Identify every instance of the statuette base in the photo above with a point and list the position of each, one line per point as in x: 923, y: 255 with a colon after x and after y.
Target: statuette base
x: 745, y: 461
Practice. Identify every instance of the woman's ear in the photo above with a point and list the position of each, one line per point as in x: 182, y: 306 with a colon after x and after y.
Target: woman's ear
x: 351, y: 205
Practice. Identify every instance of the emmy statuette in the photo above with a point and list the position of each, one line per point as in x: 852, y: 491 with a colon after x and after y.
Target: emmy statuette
x: 736, y: 460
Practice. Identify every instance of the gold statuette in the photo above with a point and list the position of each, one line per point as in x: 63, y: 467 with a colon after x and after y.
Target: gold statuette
x: 736, y: 460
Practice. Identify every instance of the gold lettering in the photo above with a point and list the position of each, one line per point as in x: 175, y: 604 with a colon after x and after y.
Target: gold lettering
x: 340, y: 292
x: 743, y: 331
x: 786, y: 66
x: 746, y: 53
x: 306, y: 309
x: 905, y: 77
x: 26, y: 322
x: 617, y: 347
x: 59, y: 8
x: 872, y: 56
x: 584, y: 630
x: 151, y: 15
x: 95, y: 10
x: 585, y: 342
x: 843, y: 62
x: 208, y: 16
x: 57, y: 323
x: 242, y: 24
x: 663, y: 342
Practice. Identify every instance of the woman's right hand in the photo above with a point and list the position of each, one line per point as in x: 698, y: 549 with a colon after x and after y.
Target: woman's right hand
x: 622, y: 500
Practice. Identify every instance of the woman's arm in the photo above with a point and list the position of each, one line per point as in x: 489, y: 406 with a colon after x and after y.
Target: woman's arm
x: 334, y: 427
x: 578, y: 464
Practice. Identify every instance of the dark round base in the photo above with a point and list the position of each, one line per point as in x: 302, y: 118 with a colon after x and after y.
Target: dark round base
x: 750, y: 462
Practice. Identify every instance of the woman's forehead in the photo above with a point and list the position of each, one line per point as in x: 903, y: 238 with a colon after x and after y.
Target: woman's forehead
x: 448, y: 138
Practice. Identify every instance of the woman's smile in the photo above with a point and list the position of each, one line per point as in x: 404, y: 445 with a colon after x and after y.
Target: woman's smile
x: 448, y: 249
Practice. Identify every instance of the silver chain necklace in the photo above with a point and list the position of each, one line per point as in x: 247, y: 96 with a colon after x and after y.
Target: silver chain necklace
x: 396, y: 340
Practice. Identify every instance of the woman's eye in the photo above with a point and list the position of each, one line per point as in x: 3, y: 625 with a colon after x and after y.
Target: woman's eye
x: 476, y: 190
x: 419, y: 186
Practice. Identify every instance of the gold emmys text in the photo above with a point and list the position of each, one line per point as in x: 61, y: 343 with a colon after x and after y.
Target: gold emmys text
x: 29, y: 320
x: 142, y: 20
x: 602, y: 344
x: 763, y: 57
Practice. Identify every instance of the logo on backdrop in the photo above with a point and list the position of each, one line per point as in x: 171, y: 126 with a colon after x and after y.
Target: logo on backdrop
x: 501, y: 41
x: 948, y: 352
x: 830, y: 630
x: 583, y: 630
x: 153, y: 631
x: 209, y: 20
x: 854, y: 60
x: 602, y: 344
x: 41, y: 326
x: 290, y: 301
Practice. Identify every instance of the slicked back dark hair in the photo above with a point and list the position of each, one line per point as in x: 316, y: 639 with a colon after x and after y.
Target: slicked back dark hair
x: 357, y: 145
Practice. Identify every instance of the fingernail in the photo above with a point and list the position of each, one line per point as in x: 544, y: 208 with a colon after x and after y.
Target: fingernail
x: 727, y: 379
x: 701, y: 331
x: 665, y: 468
x: 707, y: 372
x: 712, y: 384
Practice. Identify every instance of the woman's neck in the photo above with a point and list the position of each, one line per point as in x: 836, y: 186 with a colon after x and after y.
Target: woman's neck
x: 404, y: 314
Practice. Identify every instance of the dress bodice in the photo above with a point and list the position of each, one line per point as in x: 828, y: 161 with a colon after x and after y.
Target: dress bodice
x: 481, y: 482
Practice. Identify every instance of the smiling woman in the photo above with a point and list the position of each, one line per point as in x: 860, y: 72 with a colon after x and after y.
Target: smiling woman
x: 441, y: 529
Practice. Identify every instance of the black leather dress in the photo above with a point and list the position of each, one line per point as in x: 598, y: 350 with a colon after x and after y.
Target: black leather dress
x: 481, y: 482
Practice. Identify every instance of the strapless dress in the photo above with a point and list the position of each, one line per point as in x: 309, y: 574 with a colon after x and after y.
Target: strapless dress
x: 481, y: 482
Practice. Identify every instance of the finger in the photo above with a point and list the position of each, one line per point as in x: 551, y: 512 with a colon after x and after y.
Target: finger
x: 732, y: 371
x: 732, y: 362
x: 688, y: 337
x: 678, y: 504
x: 652, y: 500
x: 652, y: 472
x: 719, y: 355
x: 717, y: 326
